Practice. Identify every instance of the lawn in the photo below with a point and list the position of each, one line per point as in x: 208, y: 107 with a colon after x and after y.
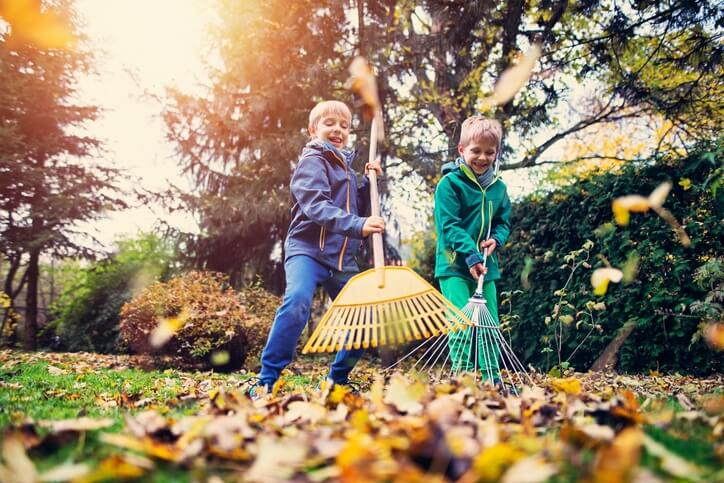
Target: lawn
x: 87, y: 417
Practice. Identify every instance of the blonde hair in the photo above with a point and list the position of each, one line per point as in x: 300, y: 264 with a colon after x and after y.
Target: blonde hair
x: 328, y: 107
x: 479, y: 128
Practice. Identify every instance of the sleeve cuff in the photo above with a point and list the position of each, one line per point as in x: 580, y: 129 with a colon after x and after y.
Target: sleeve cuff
x: 474, y: 259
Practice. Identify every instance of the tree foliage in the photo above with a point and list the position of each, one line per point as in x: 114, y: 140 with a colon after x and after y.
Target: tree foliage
x: 49, y: 182
x: 241, y: 137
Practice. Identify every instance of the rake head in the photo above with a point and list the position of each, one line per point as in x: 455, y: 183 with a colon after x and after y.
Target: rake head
x: 365, y: 315
x: 480, y: 349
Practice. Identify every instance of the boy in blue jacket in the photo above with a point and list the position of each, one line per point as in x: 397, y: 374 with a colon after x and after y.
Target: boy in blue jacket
x: 324, y: 236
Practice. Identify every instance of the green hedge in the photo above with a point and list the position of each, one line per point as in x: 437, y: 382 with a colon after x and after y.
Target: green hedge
x: 550, y: 231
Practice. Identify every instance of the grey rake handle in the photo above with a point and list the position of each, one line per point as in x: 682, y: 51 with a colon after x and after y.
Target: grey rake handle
x: 481, y: 279
x: 378, y: 250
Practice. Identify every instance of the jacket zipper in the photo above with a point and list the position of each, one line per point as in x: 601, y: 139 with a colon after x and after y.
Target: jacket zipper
x: 344, y: 244
x: 322, y: 238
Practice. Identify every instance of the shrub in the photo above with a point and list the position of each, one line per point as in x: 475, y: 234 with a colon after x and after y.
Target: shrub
x: 85, y: 316
x: 211, y: 319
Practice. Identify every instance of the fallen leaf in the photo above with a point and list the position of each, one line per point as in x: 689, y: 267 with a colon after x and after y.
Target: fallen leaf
x: 80, y: 424
x: 66, y: 472
x: 405, y: 396
x: 16, y: 467
x: 671, y: 462
x: 533, y: 469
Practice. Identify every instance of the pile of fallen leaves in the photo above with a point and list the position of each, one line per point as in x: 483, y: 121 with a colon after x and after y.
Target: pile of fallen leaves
x: 400, y: 428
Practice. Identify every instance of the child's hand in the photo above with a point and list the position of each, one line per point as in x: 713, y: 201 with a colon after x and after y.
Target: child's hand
x: 488, y: 244
x: 374, y: 165
x: 373, y: 224
x: 478, y: 270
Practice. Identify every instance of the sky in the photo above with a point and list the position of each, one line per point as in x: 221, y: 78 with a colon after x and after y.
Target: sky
x: 142, y: 46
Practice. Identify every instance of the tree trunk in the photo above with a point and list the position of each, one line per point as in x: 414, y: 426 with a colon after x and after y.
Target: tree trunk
x: 31, y: 302
x: 606, y: 362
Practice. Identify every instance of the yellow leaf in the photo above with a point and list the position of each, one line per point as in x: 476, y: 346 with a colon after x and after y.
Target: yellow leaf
x: 570, y: 385
x: 616, y: 461
x: 685, y: 183
x: 305, y: 411
x: 363, y: 83
x: 658, y: 196
x: 602, y: 276
x: 622, y: 206
x: 167, y: 328
x: 338, y: 393
x: 512, y: 80
x: 117, y: 468
x: 490, y: 464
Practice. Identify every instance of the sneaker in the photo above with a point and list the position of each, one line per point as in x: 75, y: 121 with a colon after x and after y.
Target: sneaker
x: 258, y: 391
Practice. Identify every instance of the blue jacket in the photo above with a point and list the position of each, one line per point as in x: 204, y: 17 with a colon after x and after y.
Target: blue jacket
x: 328, y: 208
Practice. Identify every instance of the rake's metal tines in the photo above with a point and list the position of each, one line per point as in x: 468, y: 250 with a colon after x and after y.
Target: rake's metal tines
x: 489, y: 355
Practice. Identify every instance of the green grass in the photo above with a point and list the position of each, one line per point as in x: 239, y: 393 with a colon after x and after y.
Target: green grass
x: 32, y: 391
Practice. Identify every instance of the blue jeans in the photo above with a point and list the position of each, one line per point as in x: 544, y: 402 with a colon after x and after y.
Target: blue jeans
x: 303, y: 275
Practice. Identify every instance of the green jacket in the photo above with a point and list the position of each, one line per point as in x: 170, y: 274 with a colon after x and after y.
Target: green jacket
x: 463, y: 211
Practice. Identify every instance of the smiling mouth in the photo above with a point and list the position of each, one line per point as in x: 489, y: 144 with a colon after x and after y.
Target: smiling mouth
x: 335, y: 140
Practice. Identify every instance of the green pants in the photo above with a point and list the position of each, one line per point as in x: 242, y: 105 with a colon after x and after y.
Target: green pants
x: 467, y: 355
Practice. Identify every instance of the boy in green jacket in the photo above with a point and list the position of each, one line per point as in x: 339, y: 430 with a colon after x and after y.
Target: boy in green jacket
x: 469, y: 198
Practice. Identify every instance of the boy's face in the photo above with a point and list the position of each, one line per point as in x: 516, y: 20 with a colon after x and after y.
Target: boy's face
x: 332, y: 128
x: 479, y: 155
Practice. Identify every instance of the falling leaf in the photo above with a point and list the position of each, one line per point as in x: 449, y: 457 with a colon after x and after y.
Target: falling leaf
x: 512, y: 80
x: 658, y: 196
x: 45, y: 30
x: 525, y: 273
x: 17, y: 467
x: 363, y: 83
x: 714, y: 335
x: 624, y: 205
x: 630, y: 267
x: 167, y: 328
x: 602, y: 276
x: 219, y: 358
x: 678, y: 229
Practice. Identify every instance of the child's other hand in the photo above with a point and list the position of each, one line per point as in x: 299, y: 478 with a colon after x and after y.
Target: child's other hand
x: 373, y: 224
x: 374, y: 165
x: 488, y: 244
x: 478, y: 270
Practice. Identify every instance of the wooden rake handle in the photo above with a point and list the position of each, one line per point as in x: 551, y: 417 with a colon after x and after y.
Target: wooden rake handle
x: 378, y: 250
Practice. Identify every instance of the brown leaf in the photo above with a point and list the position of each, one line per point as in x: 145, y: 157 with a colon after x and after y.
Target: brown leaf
x: 16, y: 467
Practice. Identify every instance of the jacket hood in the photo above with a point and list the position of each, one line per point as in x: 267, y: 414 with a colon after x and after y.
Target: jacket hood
x: 328, y: 151
x: 449, y: 167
